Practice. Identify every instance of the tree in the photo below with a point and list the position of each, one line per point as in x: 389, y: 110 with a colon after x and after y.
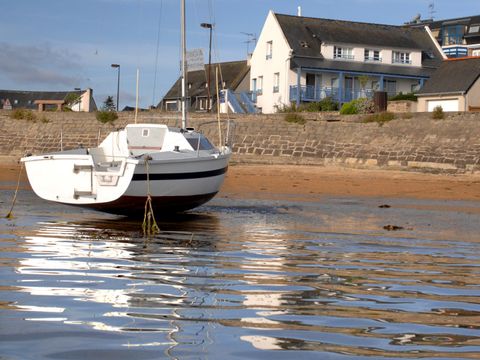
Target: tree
x: 71, y: 100
x: 109, y: 104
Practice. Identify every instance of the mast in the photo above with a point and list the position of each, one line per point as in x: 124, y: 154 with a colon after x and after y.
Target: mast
x: 184, y: 67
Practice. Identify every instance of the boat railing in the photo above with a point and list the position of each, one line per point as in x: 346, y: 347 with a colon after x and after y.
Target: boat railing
x: 229, y: 127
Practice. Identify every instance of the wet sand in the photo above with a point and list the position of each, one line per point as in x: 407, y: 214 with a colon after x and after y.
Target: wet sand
x: 308, y: 182
x: 313, y: 180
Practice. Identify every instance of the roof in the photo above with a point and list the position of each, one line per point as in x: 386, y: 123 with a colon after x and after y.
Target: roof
x: 305, y: 36
x: 436, y: 24
x: 26, y: 99
x: 362, y: 67
x: 453, y: 76
x: 232, y: 73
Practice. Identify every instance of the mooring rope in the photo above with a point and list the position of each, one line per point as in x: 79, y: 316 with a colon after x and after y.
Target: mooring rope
x: 10, y: 213
x: 149, y: 225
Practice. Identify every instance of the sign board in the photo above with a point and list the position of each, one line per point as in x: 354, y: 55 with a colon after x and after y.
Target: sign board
x: 195, y: 60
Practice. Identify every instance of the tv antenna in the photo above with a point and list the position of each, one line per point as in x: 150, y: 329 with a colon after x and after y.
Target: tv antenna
x: 431, y: 9
x: 251, y: 38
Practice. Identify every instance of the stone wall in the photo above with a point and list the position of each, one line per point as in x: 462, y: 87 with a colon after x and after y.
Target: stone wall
x: 451, y: 145
x: 402, y: 106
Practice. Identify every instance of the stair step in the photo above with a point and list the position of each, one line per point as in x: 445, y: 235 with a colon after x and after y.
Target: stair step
x: 77, y: 194
x: 77, y: 168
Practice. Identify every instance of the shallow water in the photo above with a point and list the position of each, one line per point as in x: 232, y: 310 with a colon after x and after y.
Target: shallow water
x: 242, y: 279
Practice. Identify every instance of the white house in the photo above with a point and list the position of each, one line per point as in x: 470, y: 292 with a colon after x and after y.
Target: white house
x: 301, y: 59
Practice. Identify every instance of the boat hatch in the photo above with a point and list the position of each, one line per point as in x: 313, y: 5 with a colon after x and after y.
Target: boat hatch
x: 143, y: 140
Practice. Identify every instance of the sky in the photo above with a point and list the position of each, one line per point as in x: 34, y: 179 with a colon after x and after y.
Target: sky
x: 60, y: 45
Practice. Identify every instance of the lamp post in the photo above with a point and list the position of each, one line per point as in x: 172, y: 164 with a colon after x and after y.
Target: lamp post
x: 117, y: 66
x: 210, y: 27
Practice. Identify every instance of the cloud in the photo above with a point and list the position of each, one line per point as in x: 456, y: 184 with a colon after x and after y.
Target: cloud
x: 27, y: 64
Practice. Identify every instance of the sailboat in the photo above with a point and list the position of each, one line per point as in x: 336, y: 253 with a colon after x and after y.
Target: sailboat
x: 178, y: 168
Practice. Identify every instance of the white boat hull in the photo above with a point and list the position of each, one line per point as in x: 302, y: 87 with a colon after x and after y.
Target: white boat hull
x: 173, y: 185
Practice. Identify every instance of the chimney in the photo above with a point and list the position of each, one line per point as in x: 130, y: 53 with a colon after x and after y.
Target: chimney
x: 299, y: 11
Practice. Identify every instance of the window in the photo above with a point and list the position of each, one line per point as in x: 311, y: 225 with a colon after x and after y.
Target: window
x: 401, y: 58
x: 372, y: 55
x: 474, y: 29
x: 145, y: 132
x: 276, y: 82
x: 260, y: 85
x: 254, y: 85
x: 453, y: 35
x: 343, y: 53
x: 171, y: 106
x: 269, y: 49
x: 476, y: 52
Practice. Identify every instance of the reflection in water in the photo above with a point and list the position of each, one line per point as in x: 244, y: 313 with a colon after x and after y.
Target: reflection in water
x: 244, y: 281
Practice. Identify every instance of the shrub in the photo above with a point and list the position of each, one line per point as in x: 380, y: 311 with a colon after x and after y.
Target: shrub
x: 287, y: 109
x: 407, y: 115
x: 106, y: 116
x: 438, y: 113
x: 349, y: 109
x: 328, y: 104
x: 358, y: 106
x: 364, y: 106
x: 44, y: 119
x: 295, y: 118
x: 380, y: 118
x: 312, y: 107
x: 23, y: 114
x: 401, y: 96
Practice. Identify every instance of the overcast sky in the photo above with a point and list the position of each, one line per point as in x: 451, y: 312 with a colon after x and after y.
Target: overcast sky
x: 59, y: 45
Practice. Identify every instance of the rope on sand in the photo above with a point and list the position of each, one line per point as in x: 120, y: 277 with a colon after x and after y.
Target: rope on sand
x: 149, y: 225
x: 10, y: 213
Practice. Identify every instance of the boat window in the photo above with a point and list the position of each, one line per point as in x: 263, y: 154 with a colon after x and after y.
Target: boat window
x: 205, y: 144
x: 145, y: 132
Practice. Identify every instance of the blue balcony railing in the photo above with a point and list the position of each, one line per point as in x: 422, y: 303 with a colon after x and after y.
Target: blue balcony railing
x: 312, y: 93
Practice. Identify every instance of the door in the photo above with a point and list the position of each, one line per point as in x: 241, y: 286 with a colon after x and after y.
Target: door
x: 310, y: 90
x: 447, y: 105
x: 349, y: 88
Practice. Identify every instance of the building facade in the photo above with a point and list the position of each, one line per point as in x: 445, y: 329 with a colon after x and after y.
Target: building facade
x: 233, y: 75
x: 301, y: 59
x: 82, y: 100
x: 458, y: 37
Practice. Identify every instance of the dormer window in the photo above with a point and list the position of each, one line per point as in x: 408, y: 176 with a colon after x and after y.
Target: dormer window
x: 343, y: 53
x: 304, y: 44
x: 372, y: 55
x: 269, y: 50
x: 400, y: 57
x: 474, y: 29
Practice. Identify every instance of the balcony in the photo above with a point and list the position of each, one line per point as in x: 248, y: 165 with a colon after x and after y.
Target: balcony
x: 312, y: 93
x: 343, y: 57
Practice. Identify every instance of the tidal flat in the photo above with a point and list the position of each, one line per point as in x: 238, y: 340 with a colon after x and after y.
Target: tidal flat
x: 279, y: 265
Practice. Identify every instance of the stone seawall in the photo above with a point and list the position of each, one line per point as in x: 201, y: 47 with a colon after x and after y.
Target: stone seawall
x: 420, y: 143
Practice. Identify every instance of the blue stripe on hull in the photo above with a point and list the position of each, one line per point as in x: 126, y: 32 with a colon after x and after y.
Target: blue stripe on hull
x: 180, y: 176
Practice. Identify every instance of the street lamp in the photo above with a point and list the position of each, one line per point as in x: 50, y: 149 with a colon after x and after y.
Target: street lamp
x: 118, y: 81
x: 210, y: 27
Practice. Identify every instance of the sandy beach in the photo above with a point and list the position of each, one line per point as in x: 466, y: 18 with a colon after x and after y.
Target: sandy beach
x: 264, y: 181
